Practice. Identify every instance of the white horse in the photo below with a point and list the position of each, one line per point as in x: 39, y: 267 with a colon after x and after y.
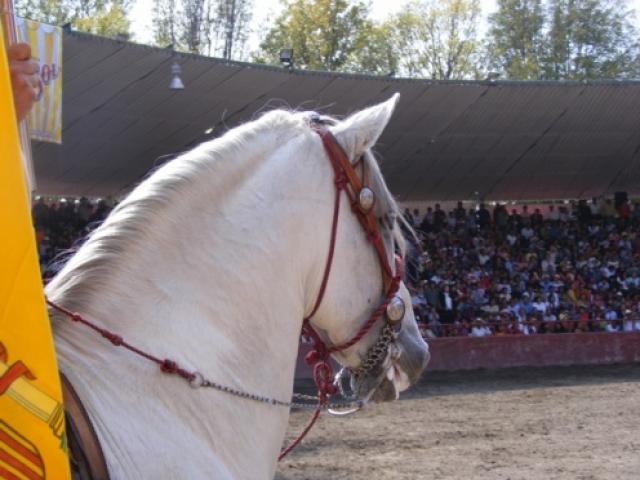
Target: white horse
x: 213, y: 261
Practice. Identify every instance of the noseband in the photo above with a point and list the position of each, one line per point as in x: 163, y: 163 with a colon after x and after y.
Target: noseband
x: 362, y: 201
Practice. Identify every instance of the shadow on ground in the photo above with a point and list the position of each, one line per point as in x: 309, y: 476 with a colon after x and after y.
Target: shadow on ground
x: 486, y: 381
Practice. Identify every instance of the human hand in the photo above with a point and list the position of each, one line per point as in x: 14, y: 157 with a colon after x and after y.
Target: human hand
x: 25, y: 80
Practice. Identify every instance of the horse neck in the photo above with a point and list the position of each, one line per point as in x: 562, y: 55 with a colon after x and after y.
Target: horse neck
x: 221, y: 288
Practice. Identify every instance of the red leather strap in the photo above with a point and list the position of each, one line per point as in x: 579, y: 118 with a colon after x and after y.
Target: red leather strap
x: 345, y: 176
x: 342, y: 167
x: 345, y: 179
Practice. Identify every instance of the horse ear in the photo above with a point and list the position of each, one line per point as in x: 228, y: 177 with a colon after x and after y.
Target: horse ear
x: 361, y: 130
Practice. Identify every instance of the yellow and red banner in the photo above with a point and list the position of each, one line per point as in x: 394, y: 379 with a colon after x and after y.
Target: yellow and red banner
x: 45, y: 119
x: 32, y: 436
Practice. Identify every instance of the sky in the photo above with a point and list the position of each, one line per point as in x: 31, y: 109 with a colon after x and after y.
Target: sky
x: 263, y: 11
x: 266, y: 10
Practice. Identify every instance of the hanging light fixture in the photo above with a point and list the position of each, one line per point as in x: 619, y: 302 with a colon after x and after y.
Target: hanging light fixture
x: 176, y: 81
x: 286, y: 58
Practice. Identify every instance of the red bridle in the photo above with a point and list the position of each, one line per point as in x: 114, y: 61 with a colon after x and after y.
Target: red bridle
x: 347, y: 180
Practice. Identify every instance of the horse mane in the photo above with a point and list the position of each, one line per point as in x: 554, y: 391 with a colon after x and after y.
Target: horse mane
x: 163, y: 196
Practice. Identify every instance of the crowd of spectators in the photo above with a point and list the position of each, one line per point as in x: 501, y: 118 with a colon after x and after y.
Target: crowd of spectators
x: 479, y: 272
x: 569, y: 268
x: 61, y: 224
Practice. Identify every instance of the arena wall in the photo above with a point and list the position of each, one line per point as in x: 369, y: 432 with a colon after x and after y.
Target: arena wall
x: 534, y: 350
x: 465, y: 353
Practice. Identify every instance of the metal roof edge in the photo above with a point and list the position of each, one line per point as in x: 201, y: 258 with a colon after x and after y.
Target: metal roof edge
x: 360, y: 76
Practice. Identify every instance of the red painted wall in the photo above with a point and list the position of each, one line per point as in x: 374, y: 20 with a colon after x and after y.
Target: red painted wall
x: 465, y: 353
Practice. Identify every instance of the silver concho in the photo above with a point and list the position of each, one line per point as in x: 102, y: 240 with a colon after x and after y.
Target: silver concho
x: 395, y: 310
x: 366, y: 198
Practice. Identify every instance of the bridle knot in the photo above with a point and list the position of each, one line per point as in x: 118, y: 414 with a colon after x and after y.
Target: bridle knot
x: 169, y: 366
x: 323, y: 378
x: 341, y: 181
x: 112, y: 337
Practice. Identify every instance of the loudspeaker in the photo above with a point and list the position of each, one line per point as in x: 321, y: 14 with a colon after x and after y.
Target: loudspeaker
x: 619, y: 198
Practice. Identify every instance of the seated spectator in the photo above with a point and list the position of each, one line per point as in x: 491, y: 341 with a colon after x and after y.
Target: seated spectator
x: 479, y: 328
x: 631, y: 321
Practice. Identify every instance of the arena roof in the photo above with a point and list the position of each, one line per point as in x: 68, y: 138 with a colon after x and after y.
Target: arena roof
x: 446, y: 141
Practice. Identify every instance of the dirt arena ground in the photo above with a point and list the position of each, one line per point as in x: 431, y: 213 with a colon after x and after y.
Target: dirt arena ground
x: 578, y: 423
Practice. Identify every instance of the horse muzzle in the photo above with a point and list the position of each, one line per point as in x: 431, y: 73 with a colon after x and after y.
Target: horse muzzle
x: 406, y: 358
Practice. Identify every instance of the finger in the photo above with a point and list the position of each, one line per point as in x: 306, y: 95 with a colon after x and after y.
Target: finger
x: 19, y: 51
x: 24, y: 87
x: 27, y: 95
x: 24, y: 67
x: 33, y: 80
x: 31, y: 67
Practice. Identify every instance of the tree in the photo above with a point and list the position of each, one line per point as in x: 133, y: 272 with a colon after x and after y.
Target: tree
x: 376, y: 51
x: 230, y: 24
x: 101, y: 17
x: 324, y: 34
x: 211, y: 27
x: 516, y: 39
x: 591, y: 39
x: 165, y: 29
x: 192, y: 26
x: 438, y: 38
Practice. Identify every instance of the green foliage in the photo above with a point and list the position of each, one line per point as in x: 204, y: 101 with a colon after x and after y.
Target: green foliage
x: 324, y: 34
x: 165, y: 29
x: 438, y: 39
x: 210, y: 27
x: 102, y: 17
x: 591, y: 39
x: 375, y: 52
x: 526, y: 40
x: 563, y: 40
x: 516, y: 39
x: 230, y: 27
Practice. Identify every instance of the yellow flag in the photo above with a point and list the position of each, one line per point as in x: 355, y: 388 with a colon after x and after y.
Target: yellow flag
x: 32, y: 436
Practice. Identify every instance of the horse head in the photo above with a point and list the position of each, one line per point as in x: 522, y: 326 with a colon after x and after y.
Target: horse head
x: 365, y: 284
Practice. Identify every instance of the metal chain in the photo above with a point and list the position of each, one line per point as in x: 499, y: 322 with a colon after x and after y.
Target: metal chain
x: 376, y: 354
x: 331, y: 405
x: 200, y: 381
